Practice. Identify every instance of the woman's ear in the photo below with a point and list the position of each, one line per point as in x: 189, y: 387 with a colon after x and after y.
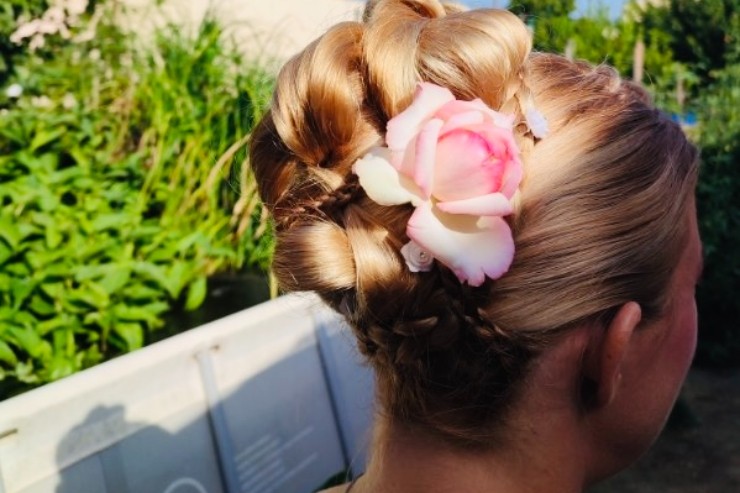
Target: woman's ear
x: 605, y: 354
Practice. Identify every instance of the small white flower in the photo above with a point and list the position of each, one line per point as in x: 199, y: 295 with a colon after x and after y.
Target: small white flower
x: 25, y: 30
x: 54, y: 16
x: 36, y: 42
x: 85, y: 36
x: 42, y: 102
x: 64, y: 32
x: 94, y: 54
x: 14, y: 91
x: 75, y: 7
x: 69, y: 101
x: 417, y: 259
x: 536, y: 122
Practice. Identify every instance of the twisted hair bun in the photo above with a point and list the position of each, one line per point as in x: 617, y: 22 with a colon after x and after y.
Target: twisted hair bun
x: 448, y: 357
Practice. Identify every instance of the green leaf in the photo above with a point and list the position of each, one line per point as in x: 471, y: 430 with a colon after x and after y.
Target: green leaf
x: 133, y: 313
x: 6, y: 314
x: 5, y: 252
x: 7, y: 355
x: 196, y: 294
x: 81, y: 157
x: 149, y: 314
x: 110, y: 221
x: 20, y: 289
x: 44, y: 137
x: 63, y: 176
x: 158, y: 307
x: 17, y: 269
x: 177, y: 277
x: 62, y: 339
x: 60, y: 366
x: 154, y: 273
x: 140, y: 292
x: 25, y: 319
x: 27, y: 340
x: 115, y: 279
x: 96, y: 247
x: 9, y: 232
x: 185, y: 243
x: 53, y: 237
x: 89, y: 357
x: 91, y: 294
x: 55, y: 290
x: 131, y: 333
x: 5, y: 282
x: 62, y: 321
x: 25, y: 372
x: 85, y: 272
x: 40, y: 259
x: 41, y: 307
x: 51, y: 271
x: 48, y: 202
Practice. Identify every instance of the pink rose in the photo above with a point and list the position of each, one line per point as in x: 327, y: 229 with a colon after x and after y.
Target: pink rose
x: 458, y: 164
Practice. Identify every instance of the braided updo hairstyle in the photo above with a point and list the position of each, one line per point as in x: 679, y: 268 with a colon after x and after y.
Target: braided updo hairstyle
x: 598, y: 221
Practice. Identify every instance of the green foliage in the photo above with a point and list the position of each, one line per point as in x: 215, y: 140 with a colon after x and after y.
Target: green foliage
x: 600, y: 40
x: 544, y: 8
x: 10, y: 12
x: 122, y: 188
x: 701, y: 33
x: 701, y: 37
x: 550, y: 21
x: 719, y: 213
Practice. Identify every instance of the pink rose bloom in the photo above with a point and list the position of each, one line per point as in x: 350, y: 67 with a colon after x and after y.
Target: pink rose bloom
x: 458, y: 164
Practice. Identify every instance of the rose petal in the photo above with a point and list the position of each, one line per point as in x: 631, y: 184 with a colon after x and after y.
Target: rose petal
x: 512, y: 177
x: 425, y: 156
x: 493, y: 204
x: 382, y: 182
x: 402, y: 128
x: 505, y: 149
x: 465, y: 167
x: 503, y: 120
x: 471, y: 247
x: 461, y: 120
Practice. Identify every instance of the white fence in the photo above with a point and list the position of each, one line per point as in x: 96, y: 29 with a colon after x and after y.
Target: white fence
x: 271, y: 399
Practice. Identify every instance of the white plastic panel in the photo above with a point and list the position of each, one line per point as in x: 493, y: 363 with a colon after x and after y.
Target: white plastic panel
x: 61, y: 424
x: 278, y: 409
x: 351, y: 384
x: 243, y: 404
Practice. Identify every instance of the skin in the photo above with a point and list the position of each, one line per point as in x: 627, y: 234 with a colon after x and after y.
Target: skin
x: 559, y: 439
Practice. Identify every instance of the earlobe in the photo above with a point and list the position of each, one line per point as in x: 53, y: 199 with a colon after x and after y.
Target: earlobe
x: 605, y: 355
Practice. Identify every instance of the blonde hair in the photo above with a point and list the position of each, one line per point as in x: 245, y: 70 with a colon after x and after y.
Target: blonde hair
x: 599, y: 219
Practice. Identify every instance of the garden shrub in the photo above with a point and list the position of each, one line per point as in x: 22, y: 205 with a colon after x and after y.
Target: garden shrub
x: 10, y: 12
x: 718, y: 201
x: 121, y: 192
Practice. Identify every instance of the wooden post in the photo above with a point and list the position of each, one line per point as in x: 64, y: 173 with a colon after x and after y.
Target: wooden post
x: 570, y: 49
x: 638, y: 64
x: 680, y: 91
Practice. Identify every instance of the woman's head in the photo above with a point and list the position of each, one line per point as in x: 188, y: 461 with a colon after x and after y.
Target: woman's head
x: 599, y: 219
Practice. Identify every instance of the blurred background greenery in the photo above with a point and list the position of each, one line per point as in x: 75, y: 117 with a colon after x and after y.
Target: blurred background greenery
x: 121, y: 183
x: 125, y: 203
